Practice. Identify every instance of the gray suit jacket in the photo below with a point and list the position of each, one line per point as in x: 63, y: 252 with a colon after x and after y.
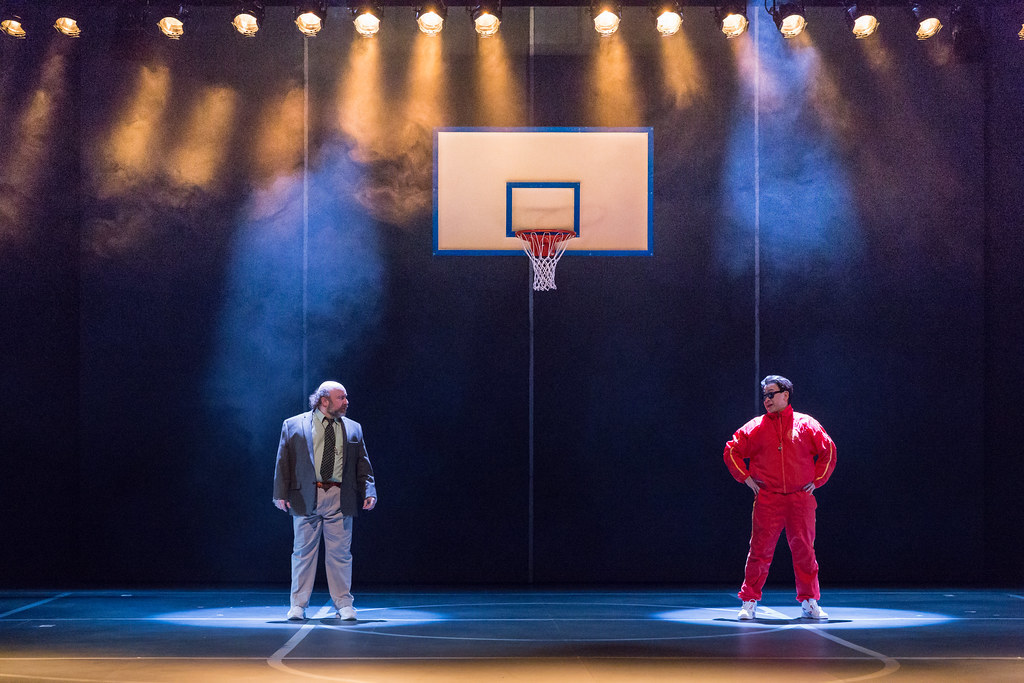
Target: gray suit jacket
x: 295, y: 472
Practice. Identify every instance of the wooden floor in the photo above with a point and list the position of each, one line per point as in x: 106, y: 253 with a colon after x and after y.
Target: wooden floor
x: 524, y: 635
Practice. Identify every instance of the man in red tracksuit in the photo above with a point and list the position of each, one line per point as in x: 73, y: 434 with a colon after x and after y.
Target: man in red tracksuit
x: 782, y: 456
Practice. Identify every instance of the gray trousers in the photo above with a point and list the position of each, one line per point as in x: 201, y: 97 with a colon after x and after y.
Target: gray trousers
x: 336, y: 529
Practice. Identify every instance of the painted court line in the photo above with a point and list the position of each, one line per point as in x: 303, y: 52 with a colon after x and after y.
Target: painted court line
x: 493, y: 639
x: 483, y: 619
x: 889, y: 665
x: 34, y: 677
x: 416, y: 658
x: 34, y: 604
x: 276, y: 660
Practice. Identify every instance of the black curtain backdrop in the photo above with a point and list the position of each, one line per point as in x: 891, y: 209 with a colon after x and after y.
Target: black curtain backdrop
x: 192, y: 240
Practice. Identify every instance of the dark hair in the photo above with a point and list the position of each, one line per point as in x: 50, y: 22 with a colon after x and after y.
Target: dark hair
x: 784, y: 384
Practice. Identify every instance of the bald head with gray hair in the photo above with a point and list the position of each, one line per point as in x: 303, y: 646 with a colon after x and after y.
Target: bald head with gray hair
x: 322, y: 392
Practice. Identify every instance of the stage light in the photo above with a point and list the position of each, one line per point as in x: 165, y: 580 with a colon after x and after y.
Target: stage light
x: 11, y: 22
x: 13, y: 27
x: 67, y: 22
x: 487, y: 18
x: 248, y: 17
x: 430, y: 17
x: 669, y: 17
x: 789, y: 18
x: 366, y: 18
x: 68, y: 26
x: 927, y: 19
x: 732, y: 19
x: 861, y: 18
x: 310, y: 17
x: 172, y: 24
x: 607, y: 16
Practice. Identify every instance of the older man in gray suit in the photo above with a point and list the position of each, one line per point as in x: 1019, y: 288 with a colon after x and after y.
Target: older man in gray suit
x: 323, y: 477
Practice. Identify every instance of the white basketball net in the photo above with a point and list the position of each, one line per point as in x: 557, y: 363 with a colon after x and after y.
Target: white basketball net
x: 544, y: 247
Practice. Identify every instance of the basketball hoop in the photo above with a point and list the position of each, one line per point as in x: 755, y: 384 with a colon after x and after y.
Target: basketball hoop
x: 544, y: 247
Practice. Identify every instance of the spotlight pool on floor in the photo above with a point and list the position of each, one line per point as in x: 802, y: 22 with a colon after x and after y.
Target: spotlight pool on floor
x: 839, y: 617
x: 274, y: 617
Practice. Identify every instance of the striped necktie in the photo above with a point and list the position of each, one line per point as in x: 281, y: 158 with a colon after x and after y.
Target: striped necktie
x: 327, y: 461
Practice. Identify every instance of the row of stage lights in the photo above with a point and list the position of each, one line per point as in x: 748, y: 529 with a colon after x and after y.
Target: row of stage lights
x: 731, y: 17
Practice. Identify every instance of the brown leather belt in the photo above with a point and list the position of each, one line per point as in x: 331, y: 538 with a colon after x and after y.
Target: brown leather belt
x: 327, y: 484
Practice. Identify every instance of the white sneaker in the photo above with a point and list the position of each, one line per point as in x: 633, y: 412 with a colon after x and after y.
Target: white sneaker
x: 812, y: 611
x: 347, y: 613
x: 296, y: 614
x: 748, y: 610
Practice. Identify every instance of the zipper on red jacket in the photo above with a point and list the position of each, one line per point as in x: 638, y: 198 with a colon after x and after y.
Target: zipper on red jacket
x: 782, y: 457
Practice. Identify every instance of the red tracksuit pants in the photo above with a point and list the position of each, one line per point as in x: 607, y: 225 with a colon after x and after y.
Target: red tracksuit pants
x: 774, y: 512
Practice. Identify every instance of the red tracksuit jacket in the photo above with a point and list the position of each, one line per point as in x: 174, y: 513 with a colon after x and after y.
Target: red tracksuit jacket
x: 786, y: 450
